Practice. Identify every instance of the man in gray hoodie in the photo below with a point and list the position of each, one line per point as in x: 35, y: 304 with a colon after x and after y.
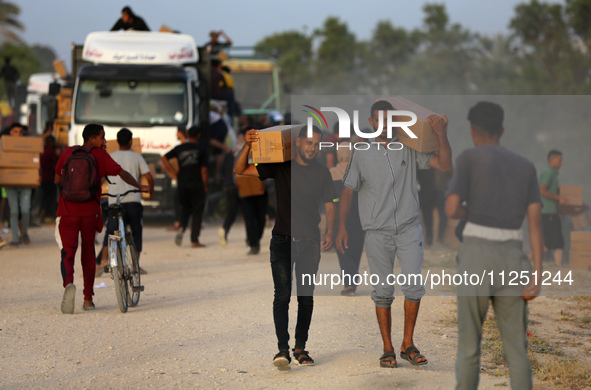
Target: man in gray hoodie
x: 386, y: 181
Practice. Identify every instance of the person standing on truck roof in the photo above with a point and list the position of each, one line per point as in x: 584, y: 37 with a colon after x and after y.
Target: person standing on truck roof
x: 130, y: 21
x: 192, y: 183
x: 11, y: 77
x: 214, y: 46
x: 84, y: 218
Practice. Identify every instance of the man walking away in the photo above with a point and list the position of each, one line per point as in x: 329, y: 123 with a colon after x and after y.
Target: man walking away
x: 500, y: 188
x: 80, y: 217
x: 192, y: 183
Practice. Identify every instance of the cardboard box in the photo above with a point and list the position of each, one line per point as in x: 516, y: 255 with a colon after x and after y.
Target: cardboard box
x: 572, y: 210
x: 249, y: 186
x: 11, y: 177
x: 580, y: 241
x: 144, y: 181
x: 579, y: 260
x: 19, y: 160
x: 21, y: 144
x: 579, y: 221
x: 113, y: 146
x: 275, y: 144
x: 427, y: 140
x: 574, y: 194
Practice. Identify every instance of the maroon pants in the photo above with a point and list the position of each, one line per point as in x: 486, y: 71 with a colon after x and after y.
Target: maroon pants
x: 69, y: 228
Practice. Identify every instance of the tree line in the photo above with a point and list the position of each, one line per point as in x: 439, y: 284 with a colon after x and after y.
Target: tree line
x: 546, y: 51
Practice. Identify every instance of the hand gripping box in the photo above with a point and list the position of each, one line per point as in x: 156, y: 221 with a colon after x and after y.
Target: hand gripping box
x: 426, y: 141
x: 276, y: 144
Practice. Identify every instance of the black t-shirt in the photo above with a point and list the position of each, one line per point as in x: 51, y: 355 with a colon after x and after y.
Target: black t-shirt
x: 192, y: 157
x: 298, y: 215
x: 137, y: 24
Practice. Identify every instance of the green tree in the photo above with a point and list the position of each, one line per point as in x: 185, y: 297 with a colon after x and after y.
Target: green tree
x: 337, y: 58
x: 9, y: 22
x: 550, y: 60
x: 293, y: 52
x: 23, y: 59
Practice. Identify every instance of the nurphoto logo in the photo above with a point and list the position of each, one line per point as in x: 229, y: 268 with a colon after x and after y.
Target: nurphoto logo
x: 344, y: 120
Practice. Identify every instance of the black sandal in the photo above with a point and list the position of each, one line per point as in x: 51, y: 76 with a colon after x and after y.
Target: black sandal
x: 406, y: 356
x: 388, y: 360
x: 282, y: 360
x: 303, y: 357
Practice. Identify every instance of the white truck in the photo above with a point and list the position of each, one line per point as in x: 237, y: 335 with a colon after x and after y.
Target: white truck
x: 145, y: 81
x: 39, y: 103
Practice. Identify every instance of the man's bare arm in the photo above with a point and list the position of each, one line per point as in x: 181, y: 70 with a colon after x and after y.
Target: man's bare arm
x: 331, y: 216
x: 345, y: 201
x: 454, y: 208
x: 242, y: 167
x: 442, y: 160
x: 536, y: 240
x: 547, y: 194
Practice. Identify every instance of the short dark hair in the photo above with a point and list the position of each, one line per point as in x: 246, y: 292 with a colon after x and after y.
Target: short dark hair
x: 554, y: 152
x: 124, y: 136
x: 91, y: 130
x: 194, y: 131
x: 128, y: 11
x: 304, y: 131
x: 488, y: 117
x: 380, y: 105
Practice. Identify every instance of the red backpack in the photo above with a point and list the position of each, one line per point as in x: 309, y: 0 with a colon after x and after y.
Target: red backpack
x: 80, y: 180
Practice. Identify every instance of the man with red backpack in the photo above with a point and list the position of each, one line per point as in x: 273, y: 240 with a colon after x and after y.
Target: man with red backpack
x: 79, y: 172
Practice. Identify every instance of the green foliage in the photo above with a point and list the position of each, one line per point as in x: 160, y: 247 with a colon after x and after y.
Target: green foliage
x: 23, y: 58
x: 548, y: 51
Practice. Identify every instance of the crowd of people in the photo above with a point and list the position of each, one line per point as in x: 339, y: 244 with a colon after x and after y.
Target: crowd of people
x: 378, y: 201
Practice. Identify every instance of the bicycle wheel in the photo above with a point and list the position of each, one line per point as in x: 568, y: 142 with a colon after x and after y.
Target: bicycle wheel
x: 119, y: 279
x: 133, y: 262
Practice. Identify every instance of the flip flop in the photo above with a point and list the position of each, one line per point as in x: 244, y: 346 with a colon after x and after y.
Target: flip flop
x: 388, y: 360
x: 406, y: 356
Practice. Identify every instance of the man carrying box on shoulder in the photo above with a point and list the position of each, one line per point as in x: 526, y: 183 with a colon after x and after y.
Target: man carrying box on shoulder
x: 296, y: 241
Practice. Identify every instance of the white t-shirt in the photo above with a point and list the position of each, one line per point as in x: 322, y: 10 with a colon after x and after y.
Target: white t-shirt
x: 133, y: 163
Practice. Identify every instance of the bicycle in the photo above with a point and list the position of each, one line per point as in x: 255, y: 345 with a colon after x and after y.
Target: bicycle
x: 123, y: 259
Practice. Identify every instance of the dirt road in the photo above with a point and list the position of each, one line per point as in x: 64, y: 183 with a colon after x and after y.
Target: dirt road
x: 204, y: 321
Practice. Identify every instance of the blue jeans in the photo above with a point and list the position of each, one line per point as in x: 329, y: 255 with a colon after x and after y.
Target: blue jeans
x: 304, y: 254
x: 19, y: 199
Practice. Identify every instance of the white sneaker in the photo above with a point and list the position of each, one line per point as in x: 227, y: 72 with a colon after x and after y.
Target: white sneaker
x: 222, y: 237
x: 68, y: 299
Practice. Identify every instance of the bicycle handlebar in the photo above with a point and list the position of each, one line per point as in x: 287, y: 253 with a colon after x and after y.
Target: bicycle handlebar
x: 123, y: 194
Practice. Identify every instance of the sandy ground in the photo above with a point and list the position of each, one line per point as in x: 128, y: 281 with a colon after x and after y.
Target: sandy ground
x: 204, y: 321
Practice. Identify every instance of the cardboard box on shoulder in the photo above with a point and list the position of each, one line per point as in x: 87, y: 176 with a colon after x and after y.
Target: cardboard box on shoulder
x: 249, y: 186
x: 580, y: 250
x: 17, y: 177
x: 427, y: 140
x: 113, y: 146
x: 19, y: 160
x: 21, y: 144
x: 275, y: 144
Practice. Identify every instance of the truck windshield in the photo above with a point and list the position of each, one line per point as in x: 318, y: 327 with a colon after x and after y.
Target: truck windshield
x: 132, y: 103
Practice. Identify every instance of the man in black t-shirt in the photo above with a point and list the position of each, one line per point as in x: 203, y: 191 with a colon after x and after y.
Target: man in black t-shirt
x: 130, y: 21
x: 301, y: 185
x: 192, y: 183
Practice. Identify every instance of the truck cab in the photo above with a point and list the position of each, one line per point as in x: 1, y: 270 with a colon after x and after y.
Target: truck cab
x: 38, y: 106
x: 144, y: 81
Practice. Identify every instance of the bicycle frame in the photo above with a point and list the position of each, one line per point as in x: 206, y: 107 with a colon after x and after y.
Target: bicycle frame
x: 119, y: 236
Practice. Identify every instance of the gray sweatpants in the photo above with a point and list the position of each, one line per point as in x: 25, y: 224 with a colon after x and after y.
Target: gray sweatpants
x: 475, y: 256
x: 381, y: 249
